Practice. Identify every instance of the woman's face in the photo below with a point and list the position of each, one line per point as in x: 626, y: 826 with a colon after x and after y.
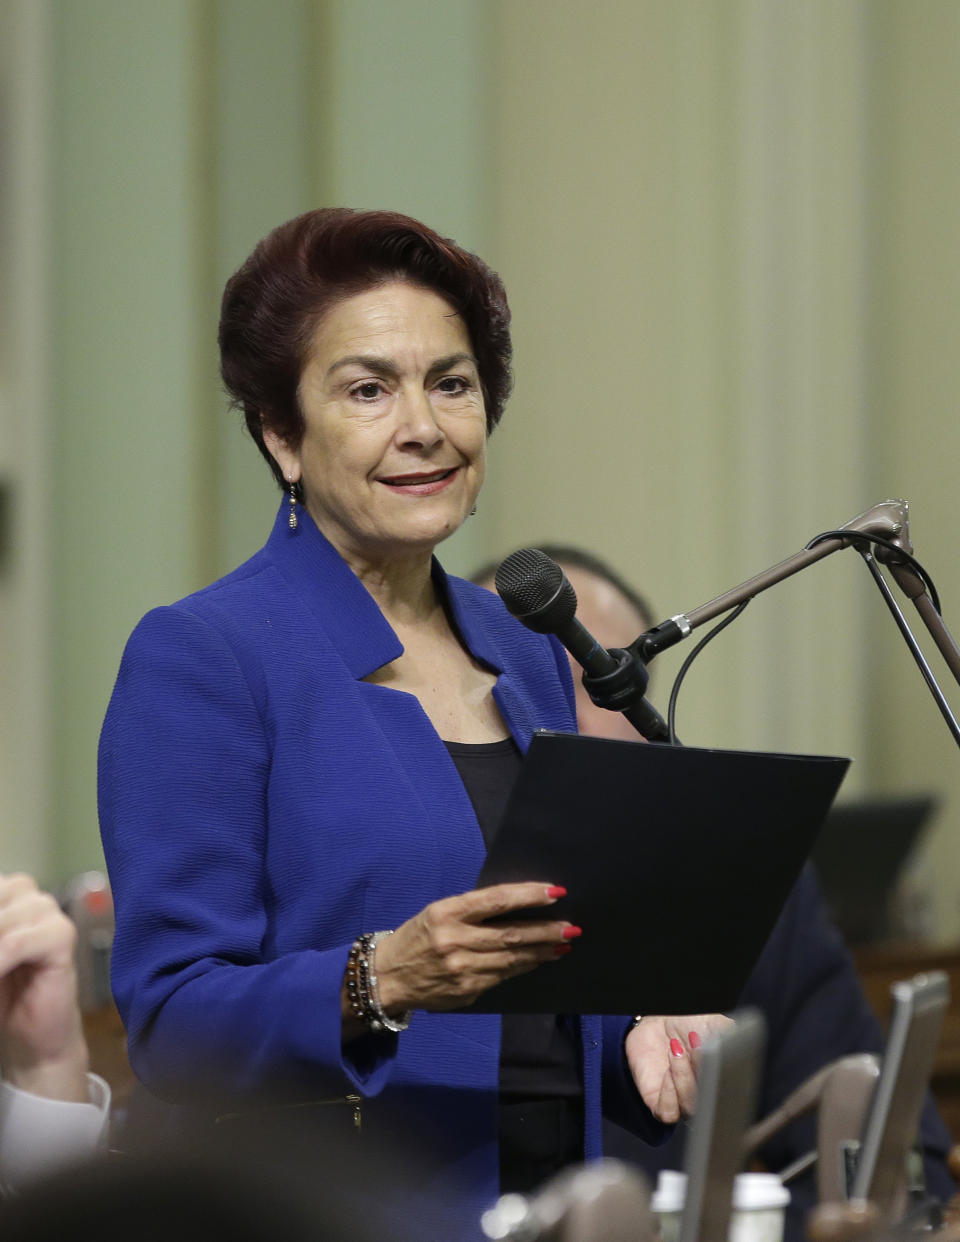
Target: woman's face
x: 392, y: 456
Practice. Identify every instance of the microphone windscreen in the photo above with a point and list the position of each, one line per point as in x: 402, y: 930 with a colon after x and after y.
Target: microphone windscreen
x: 536, y: 591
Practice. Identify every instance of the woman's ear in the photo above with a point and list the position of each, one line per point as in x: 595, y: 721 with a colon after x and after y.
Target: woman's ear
x: 286, y: 458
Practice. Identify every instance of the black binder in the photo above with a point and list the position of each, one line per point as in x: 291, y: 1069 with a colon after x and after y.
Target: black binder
x: 676, y: 861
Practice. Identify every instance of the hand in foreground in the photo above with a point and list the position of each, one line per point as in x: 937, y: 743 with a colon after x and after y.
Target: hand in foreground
x: 42, y: 1048
x: 664, y: 1059
x: 449, y: 953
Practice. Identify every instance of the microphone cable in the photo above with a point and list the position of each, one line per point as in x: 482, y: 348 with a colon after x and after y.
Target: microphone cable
x: 861, y: 537
x: 685, y: 668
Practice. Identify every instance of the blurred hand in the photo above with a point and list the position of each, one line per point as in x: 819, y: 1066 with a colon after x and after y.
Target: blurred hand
x: 664, y: 1059
x: 42, y: 1048
x: 449, y: 953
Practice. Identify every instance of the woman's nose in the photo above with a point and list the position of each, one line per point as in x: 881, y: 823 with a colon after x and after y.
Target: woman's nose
x: 418, y: 422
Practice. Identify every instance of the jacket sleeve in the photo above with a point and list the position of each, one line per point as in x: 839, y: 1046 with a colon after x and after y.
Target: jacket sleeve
x: 40, y: 1135
x: 621, y: 1099
x: 184, y: 766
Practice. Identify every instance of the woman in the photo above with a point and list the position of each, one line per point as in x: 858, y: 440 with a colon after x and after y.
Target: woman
x: 313, y: 749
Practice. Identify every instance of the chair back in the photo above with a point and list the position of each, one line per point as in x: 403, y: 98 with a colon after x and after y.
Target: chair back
x: 729, y: 1073
x: 919, y: 1005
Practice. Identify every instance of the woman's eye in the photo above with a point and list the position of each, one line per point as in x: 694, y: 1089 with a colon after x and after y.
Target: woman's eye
x: 369, y: 390
x: 453, y: 385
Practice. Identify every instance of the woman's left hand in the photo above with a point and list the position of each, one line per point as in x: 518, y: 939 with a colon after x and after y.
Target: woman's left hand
x: 664, y: 1059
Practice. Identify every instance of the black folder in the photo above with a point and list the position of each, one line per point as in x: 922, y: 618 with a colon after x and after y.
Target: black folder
x: 676, y: 860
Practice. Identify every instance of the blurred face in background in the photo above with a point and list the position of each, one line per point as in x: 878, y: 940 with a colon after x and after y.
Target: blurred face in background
x: 614, y: 622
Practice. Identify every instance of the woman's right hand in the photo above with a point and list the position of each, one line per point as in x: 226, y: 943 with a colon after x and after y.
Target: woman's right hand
x: 450, y: 953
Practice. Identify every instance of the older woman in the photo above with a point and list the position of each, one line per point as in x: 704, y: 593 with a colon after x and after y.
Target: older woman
x: 301, y: 764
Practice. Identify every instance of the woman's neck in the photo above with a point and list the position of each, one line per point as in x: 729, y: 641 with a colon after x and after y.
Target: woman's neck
x: 400, y: 580
x: 402, y: 586
x: 404, y: 597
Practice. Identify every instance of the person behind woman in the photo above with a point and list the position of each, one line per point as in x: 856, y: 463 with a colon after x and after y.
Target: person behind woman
x: 315, y: 749
x: 609, y: 608
x: 805, y: 982
x: 53, y: 1111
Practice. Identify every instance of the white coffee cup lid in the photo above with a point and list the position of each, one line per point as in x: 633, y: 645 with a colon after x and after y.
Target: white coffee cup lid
x: 759, y: 1190
x: 670, y: 1193
x: 751, y: 1191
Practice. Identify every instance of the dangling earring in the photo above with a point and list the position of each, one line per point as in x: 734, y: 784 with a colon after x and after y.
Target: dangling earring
x: 292, y: 520
x: 473, y: 510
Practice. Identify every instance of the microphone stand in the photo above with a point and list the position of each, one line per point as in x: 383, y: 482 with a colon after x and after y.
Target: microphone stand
x: 887, y: 523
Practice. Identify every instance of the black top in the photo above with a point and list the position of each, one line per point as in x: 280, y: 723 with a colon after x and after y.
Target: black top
x: 541, y: 1081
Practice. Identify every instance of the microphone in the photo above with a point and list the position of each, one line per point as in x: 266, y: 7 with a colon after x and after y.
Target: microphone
x: 606, y: 1199
x: 537, y: 592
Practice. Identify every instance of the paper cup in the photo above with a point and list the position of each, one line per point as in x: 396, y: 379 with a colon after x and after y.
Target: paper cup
x: 759, y: 1201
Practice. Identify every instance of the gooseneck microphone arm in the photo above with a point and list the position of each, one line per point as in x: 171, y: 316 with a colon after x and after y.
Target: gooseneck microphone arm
x: 888, y: 520
x: 881, y: 534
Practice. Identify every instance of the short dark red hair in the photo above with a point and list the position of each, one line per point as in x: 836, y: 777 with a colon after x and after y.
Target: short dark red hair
x: 272, y: 304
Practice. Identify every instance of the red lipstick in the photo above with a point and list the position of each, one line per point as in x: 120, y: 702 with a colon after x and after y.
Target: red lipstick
x: 421, y: 483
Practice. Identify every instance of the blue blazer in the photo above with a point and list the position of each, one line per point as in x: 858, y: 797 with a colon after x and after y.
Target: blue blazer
x: 261, y: 805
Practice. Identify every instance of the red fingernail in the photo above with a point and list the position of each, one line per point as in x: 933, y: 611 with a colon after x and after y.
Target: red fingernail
x: 561, y: 950
x: 572, y: 932
x: 556, y: 890
x: 676, y: 1047
x: 693, y: 1039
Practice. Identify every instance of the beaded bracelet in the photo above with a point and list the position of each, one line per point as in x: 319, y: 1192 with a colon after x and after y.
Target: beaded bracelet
x: 396, y: 1025
x: 356, y: 979
x: 361, y: 981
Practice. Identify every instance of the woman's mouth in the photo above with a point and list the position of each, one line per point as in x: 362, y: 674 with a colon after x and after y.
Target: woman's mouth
x: 424, y: 483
